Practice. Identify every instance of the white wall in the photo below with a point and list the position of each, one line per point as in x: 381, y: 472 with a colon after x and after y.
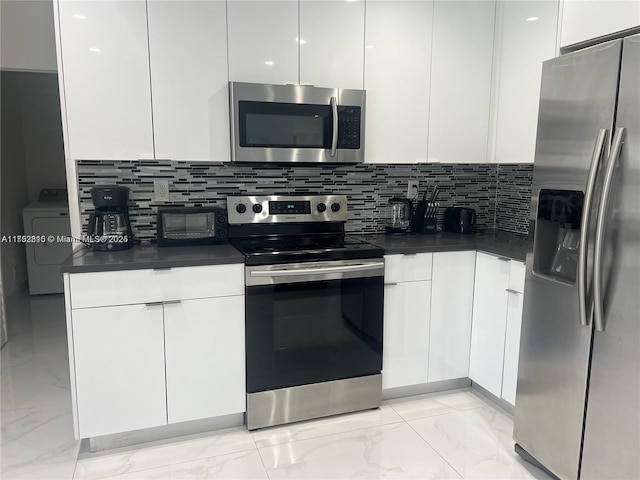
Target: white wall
x: 27, y: 40
x: 14, y: 190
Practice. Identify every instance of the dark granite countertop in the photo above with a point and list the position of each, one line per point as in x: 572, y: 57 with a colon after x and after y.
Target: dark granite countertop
x: 495, y: 242
x: 150, y: 256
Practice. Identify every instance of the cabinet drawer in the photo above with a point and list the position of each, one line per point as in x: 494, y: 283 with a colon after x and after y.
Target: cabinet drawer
x: 410, y: 267
x: 517, y: 272
x: 141, y: 286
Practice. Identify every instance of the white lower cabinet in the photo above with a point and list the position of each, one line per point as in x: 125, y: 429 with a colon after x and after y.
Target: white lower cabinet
x: 497, y: 315
x: 407, y: 310
x: 512, y: 347
x: 204, y: 348
x: 157, y: 362
x: 119, y: 368
x: 406, y: 334
x: 451, y: 310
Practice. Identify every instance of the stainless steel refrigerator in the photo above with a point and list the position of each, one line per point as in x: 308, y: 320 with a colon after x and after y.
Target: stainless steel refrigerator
x: 578, y: 396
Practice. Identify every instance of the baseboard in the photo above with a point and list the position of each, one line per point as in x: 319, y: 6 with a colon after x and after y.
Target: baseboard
x: 499, y: 401
x: 126, y: 439
x: 423, y: 388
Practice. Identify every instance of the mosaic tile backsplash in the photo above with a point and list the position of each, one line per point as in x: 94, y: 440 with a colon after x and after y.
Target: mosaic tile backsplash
x: 513, y: 197
x: 367, y: 186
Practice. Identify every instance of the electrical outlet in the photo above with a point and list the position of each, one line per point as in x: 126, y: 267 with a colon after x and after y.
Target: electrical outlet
x: 412, y: 189
x: 161, y: 190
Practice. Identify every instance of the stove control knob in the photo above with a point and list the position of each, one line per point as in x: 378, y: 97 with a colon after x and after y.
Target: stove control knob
x: 241, y: 208
x: 335, y: 207
x: 321, y: 207
x: 257, y: 208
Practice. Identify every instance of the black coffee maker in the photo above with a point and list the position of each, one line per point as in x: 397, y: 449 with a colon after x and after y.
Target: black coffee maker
x: 109, y: 226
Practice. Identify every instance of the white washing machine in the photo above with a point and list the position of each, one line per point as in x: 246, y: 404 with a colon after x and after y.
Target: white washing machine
x: 48, y: 217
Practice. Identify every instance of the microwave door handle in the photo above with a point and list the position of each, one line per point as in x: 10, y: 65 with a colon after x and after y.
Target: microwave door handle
x: 334, y: 137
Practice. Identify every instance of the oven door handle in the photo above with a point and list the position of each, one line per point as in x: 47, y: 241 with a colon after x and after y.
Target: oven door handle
x: 360, y: 267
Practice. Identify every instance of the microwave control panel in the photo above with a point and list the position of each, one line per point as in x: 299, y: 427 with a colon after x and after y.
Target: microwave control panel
x: 349, y: 127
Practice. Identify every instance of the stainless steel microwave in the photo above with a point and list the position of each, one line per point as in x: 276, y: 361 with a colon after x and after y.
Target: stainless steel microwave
x: 296, y: 123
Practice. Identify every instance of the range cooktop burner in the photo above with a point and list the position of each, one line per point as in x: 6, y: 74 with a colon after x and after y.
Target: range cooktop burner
x: 259, y: 251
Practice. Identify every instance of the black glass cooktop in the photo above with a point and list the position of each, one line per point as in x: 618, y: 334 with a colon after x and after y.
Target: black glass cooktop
x: 263, y: 251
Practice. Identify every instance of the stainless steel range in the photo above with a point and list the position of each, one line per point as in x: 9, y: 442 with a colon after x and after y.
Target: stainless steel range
x: 314, y: 303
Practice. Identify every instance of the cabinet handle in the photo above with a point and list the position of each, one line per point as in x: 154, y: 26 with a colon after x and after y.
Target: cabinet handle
x: 504, y: 259
x: 390, y: 284
x: 154, y: 304
x: 510, y: 290
x: 172, y: 302
x: 410, y: 254
x: 161, y: 268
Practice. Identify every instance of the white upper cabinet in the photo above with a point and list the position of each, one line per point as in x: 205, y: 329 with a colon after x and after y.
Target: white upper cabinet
x: 397, y: 76
x: 588, y: 19
x: 332, y: 43
x: 105, y: 66
x: 189, y: 79
x: 528, y: 37
x: 263, y: 41
x: 461, y: 67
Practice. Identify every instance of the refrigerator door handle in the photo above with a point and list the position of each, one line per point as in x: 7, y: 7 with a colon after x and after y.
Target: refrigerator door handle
x: 585, y: 315
x: 598, y: 297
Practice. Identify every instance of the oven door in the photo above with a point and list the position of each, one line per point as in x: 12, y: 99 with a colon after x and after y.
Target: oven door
x: 313, y: 322
x: 295, y: 123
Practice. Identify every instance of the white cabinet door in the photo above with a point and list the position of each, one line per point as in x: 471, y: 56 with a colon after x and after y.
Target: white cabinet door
x: 529, y: 30
x: 397, y: 76
x: 587, y: 19
x: 512, y: 347
x: 189, y: 79
x: 105, y: 64
x: 406, y: 334
x: 489, y: 322
x: 517, y: 271
x: 408, y: 267
x: 119, y: 368
x: 461, y: 66
x: 93, y: 289
x: 332, y: 43
x: 263, y: 41
x: 204, y: 342
x: 451, y: 311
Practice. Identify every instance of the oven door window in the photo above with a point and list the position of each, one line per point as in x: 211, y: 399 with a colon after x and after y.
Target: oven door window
x: 303, y: 333
x: 284, y: 125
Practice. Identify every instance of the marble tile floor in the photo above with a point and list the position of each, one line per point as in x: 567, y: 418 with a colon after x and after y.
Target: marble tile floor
x: 454, y: 434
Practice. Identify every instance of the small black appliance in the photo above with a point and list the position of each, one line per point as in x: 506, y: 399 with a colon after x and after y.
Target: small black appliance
x: 178, y: 226
x: 460, y: 220
x: 109, y: 226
